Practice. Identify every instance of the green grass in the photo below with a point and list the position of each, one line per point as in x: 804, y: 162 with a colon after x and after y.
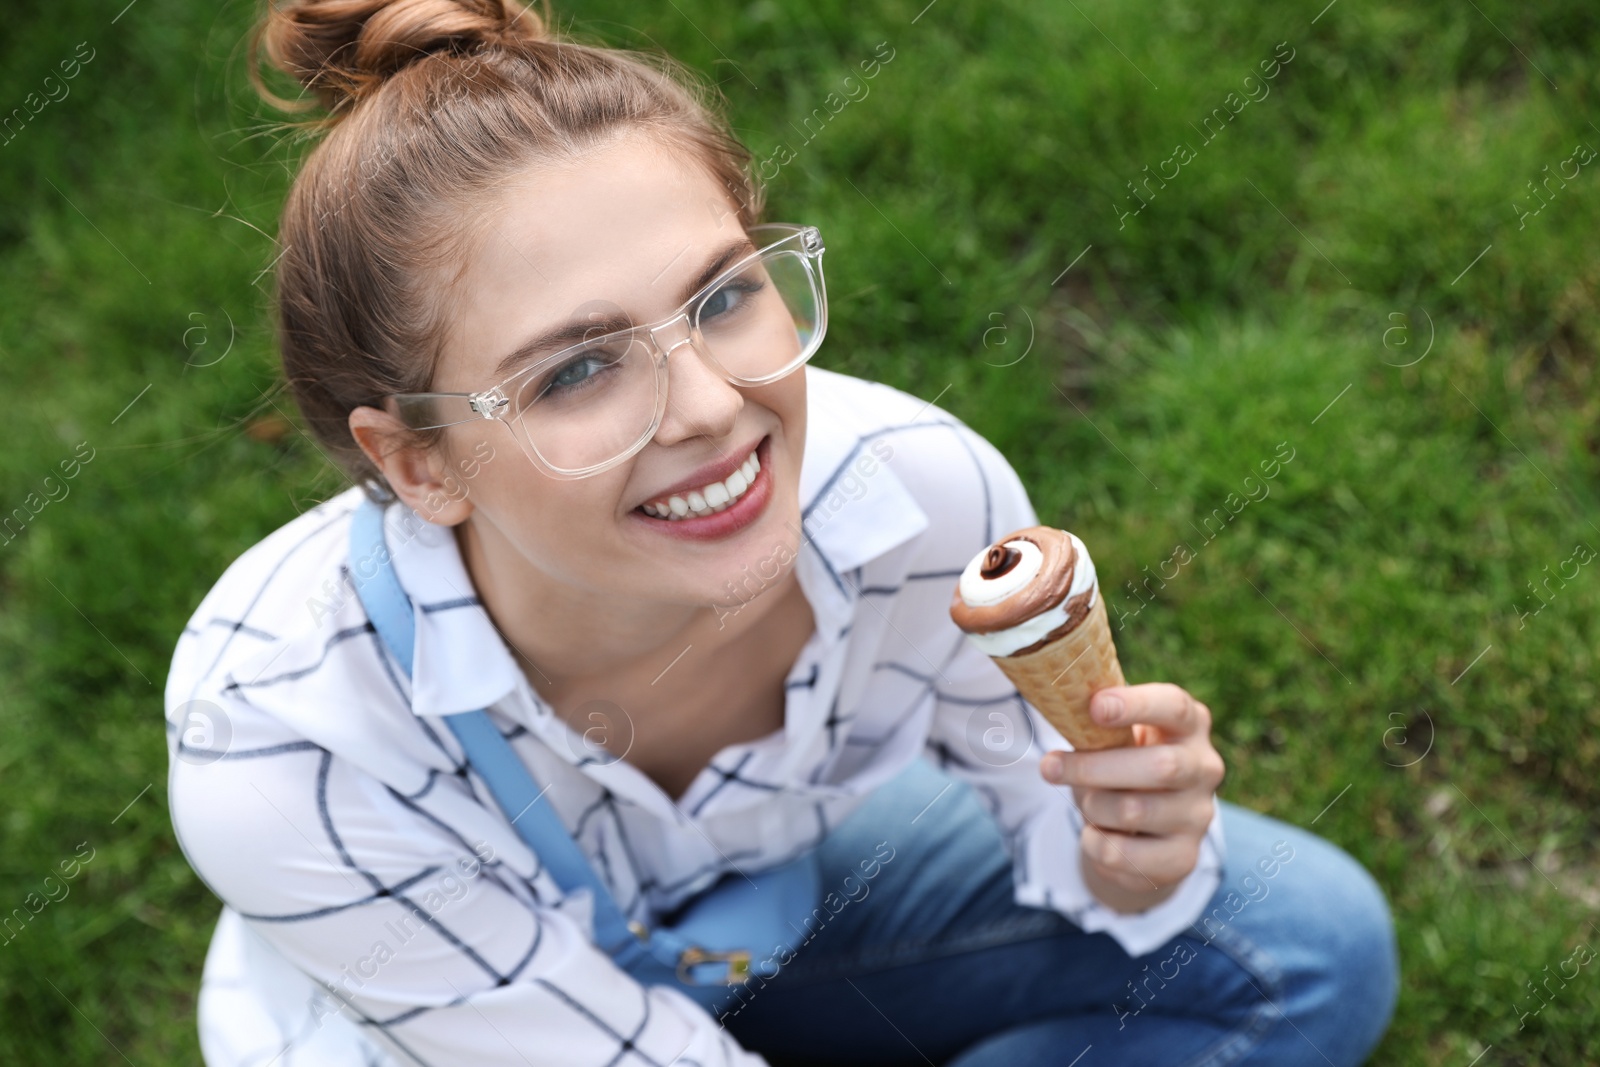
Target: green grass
x: 1335, y: 627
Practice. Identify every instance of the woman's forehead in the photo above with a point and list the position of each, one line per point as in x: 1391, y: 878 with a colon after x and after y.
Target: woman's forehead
x: 626, y: 211
x: 628, y: 224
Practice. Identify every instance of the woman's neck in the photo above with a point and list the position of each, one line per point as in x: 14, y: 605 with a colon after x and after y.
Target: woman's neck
x: 573, y: 644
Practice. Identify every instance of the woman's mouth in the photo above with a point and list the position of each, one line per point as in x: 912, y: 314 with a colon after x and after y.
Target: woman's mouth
x: 718, y: 508
x: 708, y: 499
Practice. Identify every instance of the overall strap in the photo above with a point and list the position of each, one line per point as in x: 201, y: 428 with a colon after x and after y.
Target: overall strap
x: 513, y: 788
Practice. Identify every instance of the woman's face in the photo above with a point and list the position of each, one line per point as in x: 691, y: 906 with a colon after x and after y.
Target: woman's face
x: 636, y: 228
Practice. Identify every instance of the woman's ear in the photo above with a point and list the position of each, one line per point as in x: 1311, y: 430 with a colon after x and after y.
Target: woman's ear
x: 419, y: 477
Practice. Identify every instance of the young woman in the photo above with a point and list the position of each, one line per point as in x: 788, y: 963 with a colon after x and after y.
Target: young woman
x: 698, y: 591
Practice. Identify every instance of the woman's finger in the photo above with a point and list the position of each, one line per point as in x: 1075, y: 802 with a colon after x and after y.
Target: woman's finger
x: 1160, y: 704
x: 1139, y: 864
x: 1164, y: 767
x: 1134, y: 811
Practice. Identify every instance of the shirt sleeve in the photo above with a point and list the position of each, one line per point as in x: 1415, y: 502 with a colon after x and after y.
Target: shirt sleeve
x: 438, y: 951
x: 985, y: 733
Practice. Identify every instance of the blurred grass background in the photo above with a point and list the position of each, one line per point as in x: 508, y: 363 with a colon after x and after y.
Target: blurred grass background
x: 1344, y: 271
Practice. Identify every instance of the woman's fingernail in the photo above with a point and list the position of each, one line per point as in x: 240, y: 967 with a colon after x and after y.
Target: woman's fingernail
x: 1052, y: 768
x: 1109, y: 710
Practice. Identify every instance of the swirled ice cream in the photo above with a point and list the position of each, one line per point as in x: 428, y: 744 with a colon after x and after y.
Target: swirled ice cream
x: 1031, y: 602
x: 1025, y: 591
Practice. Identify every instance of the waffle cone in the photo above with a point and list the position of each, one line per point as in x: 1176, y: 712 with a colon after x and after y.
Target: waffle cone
x: 1059, y: 679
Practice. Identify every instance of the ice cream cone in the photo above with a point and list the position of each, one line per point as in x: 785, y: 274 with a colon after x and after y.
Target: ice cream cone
x: 1059, y: 679
x: 1031, y: 601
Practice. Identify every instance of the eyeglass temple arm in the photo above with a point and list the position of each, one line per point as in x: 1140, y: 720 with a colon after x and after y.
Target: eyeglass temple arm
x: 434, y: 411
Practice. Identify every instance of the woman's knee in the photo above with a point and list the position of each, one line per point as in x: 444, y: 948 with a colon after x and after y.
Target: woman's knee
x: 1360, y: 930
x: 1328, y: 943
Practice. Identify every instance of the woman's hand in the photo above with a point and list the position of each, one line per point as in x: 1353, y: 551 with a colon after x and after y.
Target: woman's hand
x: 1148, y: 806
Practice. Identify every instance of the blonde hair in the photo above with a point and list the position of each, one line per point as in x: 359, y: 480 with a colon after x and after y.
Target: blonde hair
x: 428, y: 105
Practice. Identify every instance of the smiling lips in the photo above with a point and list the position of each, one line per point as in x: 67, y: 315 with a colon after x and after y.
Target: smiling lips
x: 707, y: 499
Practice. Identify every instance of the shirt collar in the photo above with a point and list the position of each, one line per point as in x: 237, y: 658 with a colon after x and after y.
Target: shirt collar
x: 459, y: 661
x: 855, y: 509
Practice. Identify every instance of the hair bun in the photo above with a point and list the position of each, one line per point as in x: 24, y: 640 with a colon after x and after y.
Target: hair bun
x: 343, y: 49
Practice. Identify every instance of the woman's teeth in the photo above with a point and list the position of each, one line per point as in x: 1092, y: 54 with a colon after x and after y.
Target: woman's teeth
x: 708, y: 499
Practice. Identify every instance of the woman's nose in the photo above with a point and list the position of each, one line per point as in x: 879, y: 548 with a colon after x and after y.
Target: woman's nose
x: 700, y: 401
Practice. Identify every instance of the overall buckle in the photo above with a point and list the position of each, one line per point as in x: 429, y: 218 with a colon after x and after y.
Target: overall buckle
x: 738, y: 961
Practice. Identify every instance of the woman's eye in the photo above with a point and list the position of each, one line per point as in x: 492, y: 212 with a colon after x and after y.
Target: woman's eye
x: 578, y: 373
x: 729, y: 299
x: 575, y: 372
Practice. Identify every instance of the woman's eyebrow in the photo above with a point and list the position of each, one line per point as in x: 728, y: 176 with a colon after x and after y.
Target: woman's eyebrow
x: 562, y: 336
x: 742, y: 246
x: 577, y: 330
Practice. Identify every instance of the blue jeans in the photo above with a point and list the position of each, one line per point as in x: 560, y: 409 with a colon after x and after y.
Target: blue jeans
x: 931, y: 962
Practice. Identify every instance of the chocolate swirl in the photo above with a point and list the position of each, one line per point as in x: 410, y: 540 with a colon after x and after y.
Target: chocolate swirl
x: 998, y: 560
x: 1077, y: 610
x: 1048, y: 588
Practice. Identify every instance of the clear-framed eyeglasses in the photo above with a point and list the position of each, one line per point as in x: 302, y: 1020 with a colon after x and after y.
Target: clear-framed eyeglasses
x: 591, y: 405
